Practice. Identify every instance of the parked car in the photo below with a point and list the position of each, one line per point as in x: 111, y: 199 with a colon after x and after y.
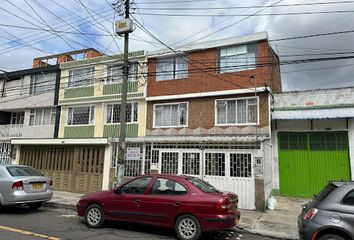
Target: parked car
x: 330, y: 214
x: 187, y: 204
x: 23, y: 185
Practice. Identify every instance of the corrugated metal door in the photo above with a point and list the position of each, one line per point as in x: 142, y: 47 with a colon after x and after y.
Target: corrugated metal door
x: 307, y: 161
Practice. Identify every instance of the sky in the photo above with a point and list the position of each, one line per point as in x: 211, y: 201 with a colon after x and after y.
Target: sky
x: 35, y: 28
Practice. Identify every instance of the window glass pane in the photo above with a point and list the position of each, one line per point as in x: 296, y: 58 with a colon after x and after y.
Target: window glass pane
x: 164, y: 69
x: 53, y: 116
x: 349, y: 198
x: 167, y: 187
x: 237, y: 58
x: 81, y: 115
x: 135, y: 113
x: 109, y: 113
x: 80, y: 77
x: 241, y: 111
x: 137, y: 186
x: 231, y: 111
x: 133, y: 72
x: 158, y: 115
x: 46, y: 116
x: 171, y: 115
x: 42, y: 83
x: 39, y: 115
x: 221, y: 112
x: 181, y: 70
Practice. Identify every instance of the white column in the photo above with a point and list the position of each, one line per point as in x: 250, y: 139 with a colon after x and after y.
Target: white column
x: 107, y: 167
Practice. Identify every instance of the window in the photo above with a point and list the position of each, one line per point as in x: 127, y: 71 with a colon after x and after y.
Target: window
x: 164, y: 186
x: 20, y: 171
x: 42, y: 116
x: 325, y: 192
x: 293, y: 141
x: 349, y: 198
x: 215, y: 164
x: 240, y: 165
x: 202, y: 185
x: 82, y: 115
x: 191, y: 163
x: 237, y: 58
x: 42, y: 83
x: 17, y: 117
x: 170, y: 115
x: 137, y: 186
x: 113, y: 113
x: 81, y: 77
x: 172, y: 68
x: 115, y: 73
x: 237, y: 111
x: 328, y: 141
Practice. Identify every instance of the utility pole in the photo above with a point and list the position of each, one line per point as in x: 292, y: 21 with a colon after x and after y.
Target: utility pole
x: 123, y: 27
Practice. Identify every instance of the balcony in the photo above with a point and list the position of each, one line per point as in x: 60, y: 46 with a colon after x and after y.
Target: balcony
x: 11, y: 130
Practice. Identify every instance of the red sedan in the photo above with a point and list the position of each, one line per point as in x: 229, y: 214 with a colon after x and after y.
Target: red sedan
x: 187, y: 204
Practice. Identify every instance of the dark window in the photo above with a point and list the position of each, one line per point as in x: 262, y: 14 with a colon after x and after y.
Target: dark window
x: 292, y: 141
x: 164, y: 186
x: 241, y: 165
x: 137, y: 186
x: 328, y: 141
x: 325, y: 192
x: 349, y: 198
x: 18, y: 171
x: 204, y: 186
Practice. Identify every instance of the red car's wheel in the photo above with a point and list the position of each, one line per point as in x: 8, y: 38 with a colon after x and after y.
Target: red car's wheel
x: 188, y: 228
x: 94, y: 216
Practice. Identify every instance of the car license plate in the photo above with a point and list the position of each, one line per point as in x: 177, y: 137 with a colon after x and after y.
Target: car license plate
x: 37, y: 186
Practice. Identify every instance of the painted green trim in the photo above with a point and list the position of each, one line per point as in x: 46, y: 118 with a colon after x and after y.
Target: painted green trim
x: 101, y: 59
x: 79, y: 92
x: 315, y: 107
x: 107, y: 98
x: 116, y: 88
x: 114, y: 130
x: 79, y: 132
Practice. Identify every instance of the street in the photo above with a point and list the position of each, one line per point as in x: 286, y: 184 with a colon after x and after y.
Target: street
x: 55, y: 224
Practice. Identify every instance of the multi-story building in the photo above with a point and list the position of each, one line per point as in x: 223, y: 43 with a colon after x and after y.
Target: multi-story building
x: 28, y: 106
x: 208, y: 113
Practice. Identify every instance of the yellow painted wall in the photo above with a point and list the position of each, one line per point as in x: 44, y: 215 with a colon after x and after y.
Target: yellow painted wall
x: 100, y: 74
x: 99, y: 119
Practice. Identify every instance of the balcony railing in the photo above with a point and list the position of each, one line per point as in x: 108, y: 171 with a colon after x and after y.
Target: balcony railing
x: 11, y: 130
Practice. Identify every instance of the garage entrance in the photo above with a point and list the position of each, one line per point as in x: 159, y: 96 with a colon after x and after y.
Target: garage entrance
x: 74, y: 169
x: 308, y: 160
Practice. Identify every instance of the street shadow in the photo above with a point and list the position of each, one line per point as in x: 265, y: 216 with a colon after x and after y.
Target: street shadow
x: 21, y: 210
x: 163, y: 232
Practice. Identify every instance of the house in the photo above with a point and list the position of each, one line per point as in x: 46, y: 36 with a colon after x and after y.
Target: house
x: 208, y: 114
x: 28, y: 107
x: 313, y: 139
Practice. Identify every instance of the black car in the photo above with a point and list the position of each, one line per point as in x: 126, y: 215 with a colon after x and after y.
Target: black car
x: 330, y: 214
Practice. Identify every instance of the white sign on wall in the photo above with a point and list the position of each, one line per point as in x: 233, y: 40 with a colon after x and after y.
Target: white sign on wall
x: 133, y: 153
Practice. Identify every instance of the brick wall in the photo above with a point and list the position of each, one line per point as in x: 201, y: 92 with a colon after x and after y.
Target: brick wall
x: 201, y: 117
x: 203, y: 77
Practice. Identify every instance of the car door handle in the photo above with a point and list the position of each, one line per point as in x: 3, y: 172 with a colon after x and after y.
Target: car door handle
x: 137, y: 201
x: 177, y: 203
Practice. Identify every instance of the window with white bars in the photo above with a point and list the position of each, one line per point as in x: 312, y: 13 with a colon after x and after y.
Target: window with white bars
x: 81, y: 77
x: 241, y: 165
x: 169, y: 162
x: 237, y: 111
x: 215, y: 164
x: 115, y: 73
x: 42, y: 116
x: 42, y: 83
x: 113, y: 113
x: 81, y: 115
x: 171, y: 115
x: 237, y: 58
x: 191, y: 163
x: 172, y: 68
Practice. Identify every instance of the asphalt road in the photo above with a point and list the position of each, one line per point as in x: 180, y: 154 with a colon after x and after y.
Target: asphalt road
x: 55, y: 224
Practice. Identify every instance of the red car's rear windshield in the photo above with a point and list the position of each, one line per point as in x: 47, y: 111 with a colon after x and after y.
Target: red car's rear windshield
x: 19, y: 171
x: 204, y: 186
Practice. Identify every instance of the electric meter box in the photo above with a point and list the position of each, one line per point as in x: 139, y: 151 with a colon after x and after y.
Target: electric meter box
x: 124, y: 26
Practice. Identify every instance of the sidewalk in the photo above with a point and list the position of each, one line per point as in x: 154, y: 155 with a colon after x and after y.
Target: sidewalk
x: 281, y: 223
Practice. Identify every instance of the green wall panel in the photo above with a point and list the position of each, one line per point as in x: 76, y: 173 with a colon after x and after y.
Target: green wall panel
x: 114, y: 129
x: 304, y: 172
x: 116, y: 88
x: 79, y: 92
x: 79, y: 132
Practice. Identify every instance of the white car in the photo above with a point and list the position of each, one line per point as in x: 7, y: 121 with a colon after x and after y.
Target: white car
x: 23, y: 185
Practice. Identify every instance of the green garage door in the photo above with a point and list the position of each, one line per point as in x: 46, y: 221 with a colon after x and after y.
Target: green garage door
x: 307, y: 161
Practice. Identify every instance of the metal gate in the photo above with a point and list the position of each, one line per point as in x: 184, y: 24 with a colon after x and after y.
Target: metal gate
x: 226, y: 170
x: 307, y: 161
x: 74, y: 169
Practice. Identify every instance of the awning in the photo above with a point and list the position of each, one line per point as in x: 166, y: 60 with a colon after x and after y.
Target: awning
x: 61, y: 141
x: 332, y: 113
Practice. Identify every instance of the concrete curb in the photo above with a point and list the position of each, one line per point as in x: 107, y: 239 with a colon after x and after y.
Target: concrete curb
x: 60, y: 205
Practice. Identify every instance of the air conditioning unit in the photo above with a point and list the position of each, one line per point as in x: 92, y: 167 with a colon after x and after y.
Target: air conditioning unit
x: 124, y: 26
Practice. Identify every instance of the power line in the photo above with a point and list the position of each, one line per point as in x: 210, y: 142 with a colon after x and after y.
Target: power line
x: 245, y: 15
